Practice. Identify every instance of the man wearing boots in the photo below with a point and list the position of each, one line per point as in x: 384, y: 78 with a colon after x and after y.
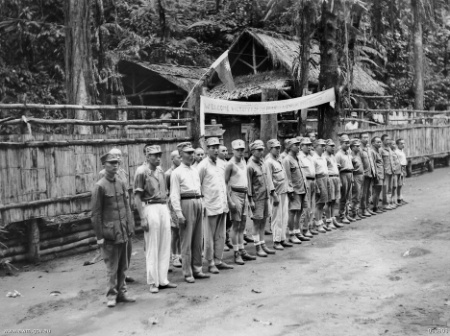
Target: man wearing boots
x: 403, y: 163
x: 185, y: 195
x: 277, y: 173
x: 321, y: 168
x: 260, y: 188
x: 388, y: 162
x: 237, y: 187
x: 296, y: 189
x: 215, y: 202
x: 377, y: 159
x: 334, y: 187
x: 344, y: 162
x: 114, y: 226
x: 222, y: 163
x: 358, y: 178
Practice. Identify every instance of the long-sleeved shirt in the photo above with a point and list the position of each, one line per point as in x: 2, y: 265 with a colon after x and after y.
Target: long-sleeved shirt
x: 213, y: 186
x: 294, y: 175
x: 121, y: 173
x: 277, y: 173
x: 307, y: 164
x: 368, y: 164
x: 344, y: 161
x: 259, y: 184
x: 151, y: 183
x: 358, y: 167
x: 388, y: 161
x: 320, y: 164
x: 396, y: 167
x: 333, y: 169
x: 378, y: 161
x: 111, y: 214
x: 184, y: 180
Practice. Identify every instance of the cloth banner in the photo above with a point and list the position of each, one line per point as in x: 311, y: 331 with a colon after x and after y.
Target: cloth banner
x: 226, y: 107
x: 223, y: 69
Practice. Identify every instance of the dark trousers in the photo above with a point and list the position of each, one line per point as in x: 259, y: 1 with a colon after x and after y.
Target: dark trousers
x: 191, y: 235
x: 367, y: 184
x: 346, y: 191
x: 116, y: 260
x: 376, y: 191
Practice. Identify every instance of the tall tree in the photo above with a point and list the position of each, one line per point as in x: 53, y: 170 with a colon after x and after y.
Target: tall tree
x: 79, y: 70
x: 418, y: 54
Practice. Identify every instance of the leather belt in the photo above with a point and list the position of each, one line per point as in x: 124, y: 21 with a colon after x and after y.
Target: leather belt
x: 239, y: 190
x: 155, y: 202
x: 190, y: 196
x: 311, y: 178
x: 333, y: 175
x: 347, y: 171
x: 321, y: 175
x: 357, y: 173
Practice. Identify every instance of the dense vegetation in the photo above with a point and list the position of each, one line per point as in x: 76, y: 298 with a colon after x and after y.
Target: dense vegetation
x: 376, y: 33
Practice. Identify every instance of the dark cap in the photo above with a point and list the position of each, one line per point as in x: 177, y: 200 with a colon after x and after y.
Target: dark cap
x: 108, y: 157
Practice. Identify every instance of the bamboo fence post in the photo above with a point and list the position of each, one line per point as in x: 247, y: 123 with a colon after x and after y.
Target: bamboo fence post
x: 33, y: 241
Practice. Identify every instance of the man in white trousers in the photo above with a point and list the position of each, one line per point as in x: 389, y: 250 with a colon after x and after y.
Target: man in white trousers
x: 151, y: 203
x: 215, y: 203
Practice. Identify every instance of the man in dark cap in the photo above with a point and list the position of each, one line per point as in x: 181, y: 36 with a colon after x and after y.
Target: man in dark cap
x: 334, y: 195
x: 151, y: 203
x: 185, y: 196
x: 358, y: 179
x: 345, y: 165
x: 114, y: 226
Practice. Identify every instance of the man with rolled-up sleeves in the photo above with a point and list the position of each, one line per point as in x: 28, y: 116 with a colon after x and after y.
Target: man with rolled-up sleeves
x: 345, y: 166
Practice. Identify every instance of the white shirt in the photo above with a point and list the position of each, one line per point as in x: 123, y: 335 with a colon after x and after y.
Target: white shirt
x: 307, y: 164
x: 351, y: 126
x: 320, y: 164
x: 401, y: 157
x: 183, y: 180
x: 213, y: 186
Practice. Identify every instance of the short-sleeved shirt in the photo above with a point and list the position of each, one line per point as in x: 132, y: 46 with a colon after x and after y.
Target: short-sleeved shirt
x: 295, y: 176
x: 307, y: 164
x: 320, y: 164
x: 259, y: 183
x: 388, y: 160
x: 184, y: 180
x: 277, y: 174
x: 397, y: 168
x: 331, y: 164
x: 152, y: 183
x: 213, y: 185
x: 401, y: 156
x: 344, y: 161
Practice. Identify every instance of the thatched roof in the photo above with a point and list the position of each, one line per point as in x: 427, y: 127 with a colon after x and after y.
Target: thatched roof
x: 182, y: 76
x: 283, y: 50
x: 250, y: 85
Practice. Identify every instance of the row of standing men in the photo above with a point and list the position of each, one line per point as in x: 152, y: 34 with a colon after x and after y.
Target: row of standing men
x: 303, y: 191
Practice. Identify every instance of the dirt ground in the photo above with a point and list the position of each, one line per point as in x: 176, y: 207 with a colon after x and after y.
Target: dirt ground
x: 355, y: 281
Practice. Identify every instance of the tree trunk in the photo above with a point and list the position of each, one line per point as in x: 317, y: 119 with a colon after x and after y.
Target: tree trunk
x: 269, y: 122
x: 418, y: 55
x: 329, y: 76
x: 79, y: 70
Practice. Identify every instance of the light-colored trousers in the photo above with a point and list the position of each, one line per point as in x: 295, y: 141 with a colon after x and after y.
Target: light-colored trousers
x: 191, y: 235
x: 307, y: 215
x: 157, y: 243
x: 357, y: 192
x: 215, y: 237
x: 346, y: 193
x: 280, y: 218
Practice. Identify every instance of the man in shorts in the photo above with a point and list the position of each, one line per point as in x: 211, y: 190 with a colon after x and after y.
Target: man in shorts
x: 344, y: 162
x: 334, y: 187
x: 397, y: 171
x: 403, y: 163
x: 296, y: 190
x: 237, y: 190
x: 260, y: 188
x: 369, y: 175
x: 358, y: 179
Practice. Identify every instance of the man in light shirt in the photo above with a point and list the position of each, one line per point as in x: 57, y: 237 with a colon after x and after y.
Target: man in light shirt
x: 277, y: 173
x: 352, y: 124
x: 334, y: 186
x: 358, y: 178
x: 307, y: 165
x: 215, y: 202
x: 388, y: 163
x: 397, y: 171
x: 199, y: 155
x: 322, y: 187
x: 369, y: 175
x: 344, y: 163
x: 185, y: 195
x: 403, y: 163
x: 222, y: 162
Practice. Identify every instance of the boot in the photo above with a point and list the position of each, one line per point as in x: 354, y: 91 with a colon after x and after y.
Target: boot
x: 302, y: 237
x: 248, y: 239
x: 238, y: 259
x: 366, y: 213
x: 278, y: 246
x: 308, y: 234
x: 351, y: 218
x: 285, y: 243
x: 345, y: 220
x: 294, y: 240
x: 260, y: 252
x: 313, y: 231
x: 246, y: 256
x: 371, y: 212
x: 319, y: 228
x: 266, y: 249
x: 336, y: 223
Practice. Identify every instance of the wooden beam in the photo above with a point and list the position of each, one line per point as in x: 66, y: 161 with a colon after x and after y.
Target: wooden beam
x: 149, y: 93
x: 99, y: 122
x: 93, y: 142
x: 398, y: 110
x: 255, y: 67
x: 246, y: 63
x: 260, y: 63
x: 91, y: 107
x: 269, y: 124
x: 240, y: 53
x: 372, y: 97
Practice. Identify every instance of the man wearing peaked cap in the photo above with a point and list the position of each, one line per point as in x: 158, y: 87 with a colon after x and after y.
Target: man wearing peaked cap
x: 113, y: 225
x: 260, y: 188
x: 150, y: 191
x: 185, y: 196
x: 358, y: 179
x: 277, y: 173
x: 296, y: 190
x: 322, y: 185
x: 215, y: 202
x: 236, y: 180
x: 345, y: 165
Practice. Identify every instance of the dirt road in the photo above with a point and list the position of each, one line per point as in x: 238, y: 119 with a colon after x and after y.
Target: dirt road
x: 352, y: 282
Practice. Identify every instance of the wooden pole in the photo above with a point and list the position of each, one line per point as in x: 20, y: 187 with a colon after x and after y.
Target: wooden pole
x: 269, y: 123
x: 88, y: 107
x: 33, y: 241
x: 194, y: 104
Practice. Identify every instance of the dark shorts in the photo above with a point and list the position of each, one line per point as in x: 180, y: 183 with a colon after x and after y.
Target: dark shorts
x: 261, y: 209
x: 298, y: 202
x: 322, y: 190
x: 335, y: 188
x: 241, y: 202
